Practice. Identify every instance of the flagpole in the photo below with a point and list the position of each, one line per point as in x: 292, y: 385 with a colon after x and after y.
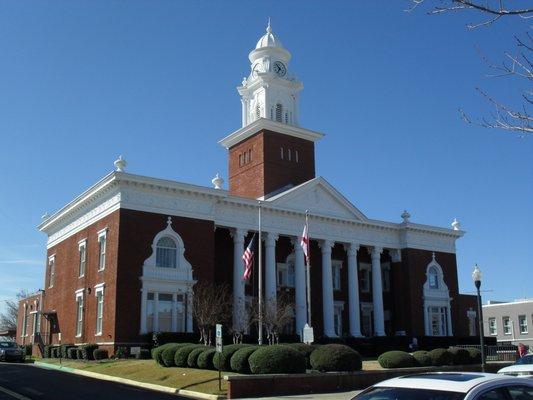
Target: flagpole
x: 308, y: 271
x: 260, y: 283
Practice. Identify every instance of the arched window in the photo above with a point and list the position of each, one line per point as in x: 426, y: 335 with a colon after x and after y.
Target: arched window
x: 166, y: 251
x: 433, y: 276
x: 279, y: 112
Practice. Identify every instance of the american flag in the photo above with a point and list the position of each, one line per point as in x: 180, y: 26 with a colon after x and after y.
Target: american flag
x: 304, y: 242
x: 248, y: 258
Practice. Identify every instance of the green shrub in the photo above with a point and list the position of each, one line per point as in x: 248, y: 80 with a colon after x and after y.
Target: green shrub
x: 72, y: 353
x: 276, y: 359
x: 182, y: 354
x: 56, y: 352
x: 305, y: 349
x: 239, y: 359
x: 205, y: 359
x: 460, y: 356
x: 79, y: 353
x: 47, y: 351
x: 396, y: 359
x: 440, y: 357
x: 100, y: 354
x: 157, y: 351
x: 422, y: 358
x: 222, y: 360
x: 192, y: 359
x: 335, y: 357
x: 27, y: 350
x: 475, y: 355
x: 64, y: 349
x: 144, y: 354
x: 122, y: 352
x: 87, y: 351
x: 167, y: 355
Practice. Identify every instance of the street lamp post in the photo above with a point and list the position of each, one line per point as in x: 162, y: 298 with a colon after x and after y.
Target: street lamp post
x: 476, y: 276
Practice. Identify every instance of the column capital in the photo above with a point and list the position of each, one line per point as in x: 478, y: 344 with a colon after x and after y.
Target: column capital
x: 375, y: 251
x: 270, y: 238
x: 395, y: 255
x: 326, y: 245
x: 351, y: 249
x: 238, y: 234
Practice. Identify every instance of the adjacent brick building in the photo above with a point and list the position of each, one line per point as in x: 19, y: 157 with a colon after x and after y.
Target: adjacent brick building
x: 124, y: 256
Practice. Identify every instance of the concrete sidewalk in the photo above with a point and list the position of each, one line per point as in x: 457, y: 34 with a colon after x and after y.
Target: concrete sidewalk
x: 317, y: 396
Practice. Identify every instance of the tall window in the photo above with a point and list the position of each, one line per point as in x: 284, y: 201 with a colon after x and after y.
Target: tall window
x: 25, y: 321
x: 99, y: 310
x: 286, y: 274
x: 337, y: 319
x: 296, y: 156
x: 281, y: 152
x: 150, y: 311
x: 506, y: 322
x: 79, y: 314
x: 385, y: 277
x: 52, y: 271
x: 364, y: 277
x: 164, y: 312
x: 336, y: 274
x: 279, y: 112
x: 522, y: 323
x: 166, y: 251
x: 492, y: 326
x: 83, y: 258
x: 102, y: 243
x: 433, y: 278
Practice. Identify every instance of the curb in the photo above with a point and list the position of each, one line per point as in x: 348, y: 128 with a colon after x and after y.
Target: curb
x: 151, y: 386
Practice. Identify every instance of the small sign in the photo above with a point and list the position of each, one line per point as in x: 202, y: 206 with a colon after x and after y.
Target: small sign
x: 308, y: 335
x: 135, y: 350
x: 218, y: 343
x: 218, y: 330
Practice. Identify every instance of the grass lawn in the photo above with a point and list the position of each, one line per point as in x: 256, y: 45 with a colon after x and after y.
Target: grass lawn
x: 199, y: 380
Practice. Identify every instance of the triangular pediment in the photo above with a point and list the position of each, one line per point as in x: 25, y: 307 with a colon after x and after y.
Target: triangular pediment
x: 320, y: 198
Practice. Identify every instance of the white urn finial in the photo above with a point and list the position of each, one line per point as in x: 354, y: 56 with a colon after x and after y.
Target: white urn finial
x: 217, y: 181
x: 120, y: 164
x: 456, y: 225
x: 405, y: 216
x: 169, y: 220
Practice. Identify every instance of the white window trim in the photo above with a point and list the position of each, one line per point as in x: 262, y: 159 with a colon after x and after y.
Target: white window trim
x: 79, y: 295
x: 102, y: 234
x: 51, y: 259
x: 510, y: 326
x: 366, y: 267
x: 334, y: 265
x: 495, y: 326
x: 520, y: 326
x: 339, y: 305
x: 82, y: 243
x: 100, y: 288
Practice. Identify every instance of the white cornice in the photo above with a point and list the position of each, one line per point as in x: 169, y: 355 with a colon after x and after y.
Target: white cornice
x: 267, y: 124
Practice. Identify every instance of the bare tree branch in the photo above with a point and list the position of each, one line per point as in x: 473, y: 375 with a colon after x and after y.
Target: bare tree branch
x: 8, y: 319
x: 211, y: 305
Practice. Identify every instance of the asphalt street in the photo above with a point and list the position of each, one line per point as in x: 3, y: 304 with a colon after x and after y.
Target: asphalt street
x: 25, y: 381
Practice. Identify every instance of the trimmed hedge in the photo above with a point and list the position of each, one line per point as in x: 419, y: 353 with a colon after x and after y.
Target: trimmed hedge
x: 162, y: 338
x: 336, y: 357
x: 182, y: 354
x: 79, y: 353
x: 239, y: 360
x: 47, y: 351
x: 422, y: 358
x: 87, y: 351
x: 72, y: 353
x: 192, y: 359
x: 157, y: 351
x: 276, y: 359
x: 144, y: 354
x: 167, y: 355
x: 460, y: 356
x: 305, y: 349
x: 222, y: 360
x: 100, y: 354
x: 440, y: 357
x: 122, y: 352
x: 27, y: 349
x: 396, y: 359
x: 64, y: 349
x: 475, y: 355
x: 56, y: 352
x: 205, y: 359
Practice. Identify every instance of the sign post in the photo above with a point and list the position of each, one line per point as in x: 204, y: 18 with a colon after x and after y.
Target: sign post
x: 218, y: 343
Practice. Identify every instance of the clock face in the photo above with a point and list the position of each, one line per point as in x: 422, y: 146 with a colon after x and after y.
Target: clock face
x: 280, y: 68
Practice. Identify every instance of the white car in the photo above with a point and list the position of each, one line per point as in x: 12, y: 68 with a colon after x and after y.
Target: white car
x: 523, y: 367
x: 450, y: 386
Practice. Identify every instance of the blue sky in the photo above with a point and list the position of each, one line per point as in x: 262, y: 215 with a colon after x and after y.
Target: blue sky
x: 82, y: 82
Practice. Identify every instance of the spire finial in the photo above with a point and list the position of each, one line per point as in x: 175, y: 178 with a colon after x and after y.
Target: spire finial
x: 169, y: 220
x: 269, y: 28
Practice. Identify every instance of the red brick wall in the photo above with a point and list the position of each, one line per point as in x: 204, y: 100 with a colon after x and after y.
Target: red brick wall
x: 61, y: 297
x: 32, y: 304
x: 266, y: 172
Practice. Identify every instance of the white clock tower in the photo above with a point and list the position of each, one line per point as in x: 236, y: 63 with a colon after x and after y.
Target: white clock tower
x: 270, y: 91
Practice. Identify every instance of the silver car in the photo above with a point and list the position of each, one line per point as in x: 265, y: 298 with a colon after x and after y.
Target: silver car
x: 10, y: 351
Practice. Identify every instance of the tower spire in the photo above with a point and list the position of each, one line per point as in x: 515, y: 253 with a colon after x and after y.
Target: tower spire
x: 269, y: 28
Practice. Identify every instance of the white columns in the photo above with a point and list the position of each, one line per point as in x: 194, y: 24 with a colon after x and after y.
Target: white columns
x: 353, y: 290
x: 270, y: 270
x: 377, y: 292
x: 238, y: 284
x: 327, y: 289
x: 156, y: 312
x: 299, y: 283
x: 173, y: 317
x: 144, y: 298
x: 189, y: 305
x: 449, y: 319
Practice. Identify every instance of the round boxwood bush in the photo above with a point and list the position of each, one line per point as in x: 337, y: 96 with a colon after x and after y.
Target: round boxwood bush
x: 72, y: 353
x: 440, y: 357
x: 335, y: 357
x: 460, y: 356
x: 396, y: 359
x: 182, y: 354
x: 305, y: 349
x: 167, y: 355
x: 156, y: 352
x: 276, y: 359
x: 222, y: 360
x: 422, y: 358
x: 239, y: 360
x: 192, y: 359
x: 475, y: 355
x: 205, y: 359
x: 100, y: 354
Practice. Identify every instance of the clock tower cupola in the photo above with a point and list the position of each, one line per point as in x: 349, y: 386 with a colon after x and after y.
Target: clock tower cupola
x: 270, y: 153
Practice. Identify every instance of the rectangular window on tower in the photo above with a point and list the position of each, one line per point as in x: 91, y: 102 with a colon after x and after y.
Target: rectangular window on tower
x: 296, y: 156
x: 83, y: 256
x: 281, y: 153
x: 102, y: 244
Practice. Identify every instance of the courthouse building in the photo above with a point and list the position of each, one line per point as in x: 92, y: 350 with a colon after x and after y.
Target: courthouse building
x: 123, y: 257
